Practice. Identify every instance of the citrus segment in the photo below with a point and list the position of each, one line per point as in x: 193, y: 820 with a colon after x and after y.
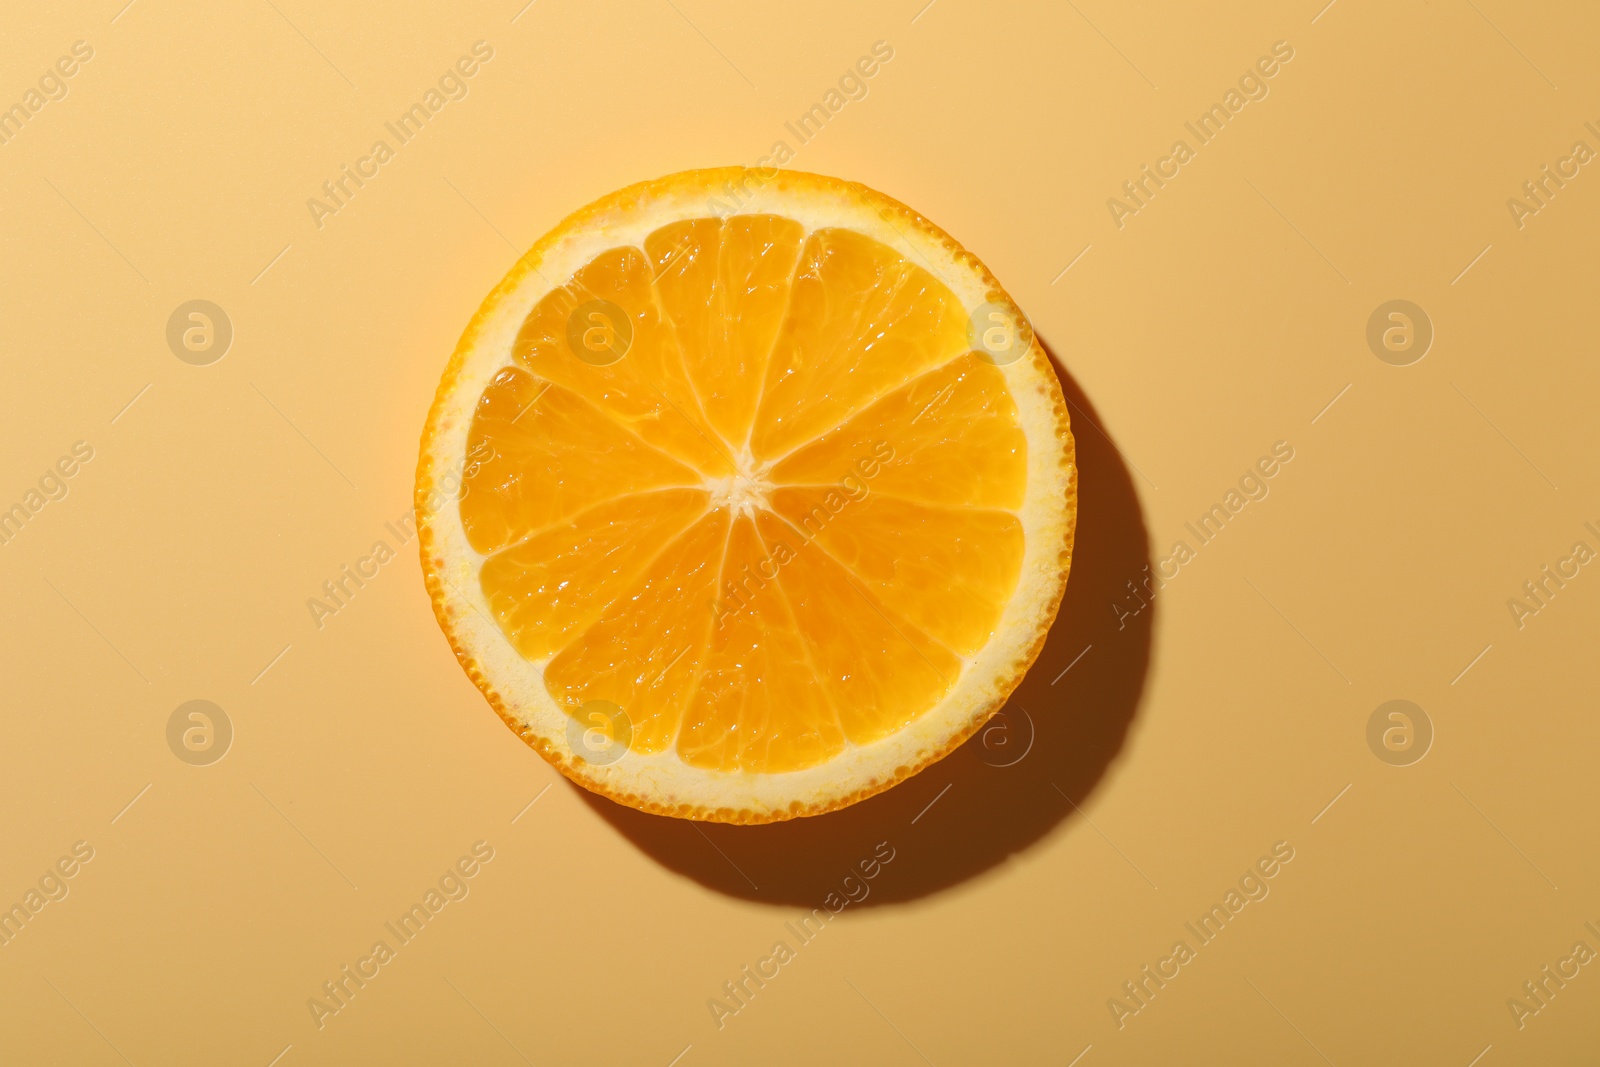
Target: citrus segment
x: 879, y: 671
x: 645, y: 650
x: 949, y: 437
x: 601, y: 335
x: 547, y: 588
x: 758, y: 705
x: 538, y: 454
x: 724, y: 284
x: 862, y: 321
x: 947, y: 571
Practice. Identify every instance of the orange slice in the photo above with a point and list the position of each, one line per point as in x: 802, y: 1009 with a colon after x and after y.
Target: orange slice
x: 746, y: 516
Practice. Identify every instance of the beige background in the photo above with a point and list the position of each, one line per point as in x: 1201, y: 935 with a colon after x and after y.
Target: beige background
x: 1223, y: 317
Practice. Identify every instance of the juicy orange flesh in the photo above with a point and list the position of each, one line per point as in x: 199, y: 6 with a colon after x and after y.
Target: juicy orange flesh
x: 778, y: 522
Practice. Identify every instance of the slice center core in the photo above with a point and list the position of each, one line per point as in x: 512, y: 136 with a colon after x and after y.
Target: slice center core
x: 741, y: 493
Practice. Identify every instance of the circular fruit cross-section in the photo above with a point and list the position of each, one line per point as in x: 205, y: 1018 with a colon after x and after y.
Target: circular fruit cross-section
x: 746, y: 515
